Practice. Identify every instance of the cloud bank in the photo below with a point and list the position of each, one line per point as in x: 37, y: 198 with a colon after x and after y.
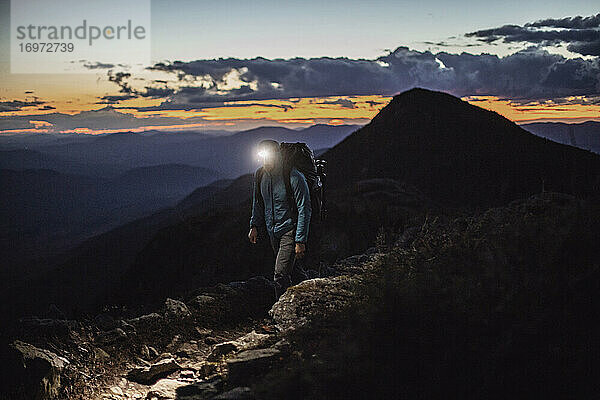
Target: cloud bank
x: 531, y: 74
x: 581, y: 34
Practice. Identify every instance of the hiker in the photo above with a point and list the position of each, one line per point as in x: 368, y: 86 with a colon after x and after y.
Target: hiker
x: 271, y: 208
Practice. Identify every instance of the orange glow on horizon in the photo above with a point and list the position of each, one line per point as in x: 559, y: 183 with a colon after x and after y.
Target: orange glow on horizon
x: 537, y: 111
x: 332, y: 110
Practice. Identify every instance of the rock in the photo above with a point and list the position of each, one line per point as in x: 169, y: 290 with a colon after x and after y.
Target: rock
x: 101, y: 354
x: 116, y: 390
x: 111, y: 336
x: 203, y: 331
x: 143, y: 362
x: 252, y: 340
x: 201, y: 390
x: 165, y: 389
x: 174, y: 344
x: 187, y: 350
x: 245, y: 365
x: 145, y: 351
x: 146, y: 320
x: 202, y: 301
x: 283, y: 345
x: 206, y: 368
x: 127, y: 327
x: 152, y: 351
x: 164, y: 356
x: 175, y: 389
x: 249, y: 341
x: 187, y: 374
x: 38, y: 370
x: 176, y: 309
x: 222, y: 349
x: 238, y: 393
x: 203, y: 369
x: 149, y: 375
x: 210, y: 340
x: 311, y: 301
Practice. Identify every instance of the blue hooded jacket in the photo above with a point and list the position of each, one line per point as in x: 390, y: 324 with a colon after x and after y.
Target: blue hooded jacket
x: 276, y: 215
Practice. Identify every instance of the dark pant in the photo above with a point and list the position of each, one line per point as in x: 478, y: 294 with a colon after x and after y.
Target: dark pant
x: 288, y: 270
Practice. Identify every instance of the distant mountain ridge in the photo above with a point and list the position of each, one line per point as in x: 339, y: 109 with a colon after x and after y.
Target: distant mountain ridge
x: 585, y: 135
x: 108, y: 155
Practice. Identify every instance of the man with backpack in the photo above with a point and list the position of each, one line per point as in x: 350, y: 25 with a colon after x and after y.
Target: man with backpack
x: 282, y: 204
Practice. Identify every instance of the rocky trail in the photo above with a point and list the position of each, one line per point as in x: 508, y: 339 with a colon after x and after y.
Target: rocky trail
x: 211, y: 345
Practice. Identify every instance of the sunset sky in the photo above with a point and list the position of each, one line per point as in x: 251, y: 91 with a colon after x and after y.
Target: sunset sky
x: 240, y: 64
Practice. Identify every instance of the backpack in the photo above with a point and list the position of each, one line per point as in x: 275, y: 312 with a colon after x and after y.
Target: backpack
x: 299, y: 155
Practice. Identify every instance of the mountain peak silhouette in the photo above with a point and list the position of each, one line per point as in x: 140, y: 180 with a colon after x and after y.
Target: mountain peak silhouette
x: 459, y: 154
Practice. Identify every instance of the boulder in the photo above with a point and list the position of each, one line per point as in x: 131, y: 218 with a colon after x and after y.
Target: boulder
x: 202, y: 301
x: 252, y: 340
x: 145, y: 351
x: 175, y: 309
x: 100, y: 354
x: 126, y: 326
x: 245, y: 365
x: 187, y: 350
x: 149, y: 375
x: 170, y: 389
x: 111, y: 337
x: 210, y: 340
x: 37, y: 370
x: 165, y: 389
x: 311, y: 302
x: 146, y: 320
x: 249, y: 341
x: 200, y: 390
x: 222, y: 349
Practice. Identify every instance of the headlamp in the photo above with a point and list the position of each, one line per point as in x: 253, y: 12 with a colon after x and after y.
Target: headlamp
x: 264, y: 154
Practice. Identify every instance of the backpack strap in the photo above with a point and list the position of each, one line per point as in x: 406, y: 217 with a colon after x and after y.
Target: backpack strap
x: 290, y: 193
x: 257, y: 193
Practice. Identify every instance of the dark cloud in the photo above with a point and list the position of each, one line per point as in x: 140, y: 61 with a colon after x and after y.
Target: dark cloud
x: 446, y: 44
x: 581, y: 34
x: 120, y: 78
x: 98, y: 65
x: 114, y: 99
x: 532, y: 73
x: 345, y: 103
x: 529, y: 74
x: 569, y: 22
x: 16, y: 105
